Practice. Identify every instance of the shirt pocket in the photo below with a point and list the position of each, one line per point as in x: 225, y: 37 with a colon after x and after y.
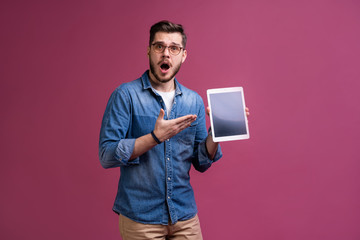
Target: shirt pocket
x: 187, y: 136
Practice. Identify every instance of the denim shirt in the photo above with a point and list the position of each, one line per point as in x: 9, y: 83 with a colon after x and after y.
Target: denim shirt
x: 155, y: 187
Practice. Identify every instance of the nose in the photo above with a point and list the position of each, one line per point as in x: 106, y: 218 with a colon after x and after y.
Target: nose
x: 166, y: 52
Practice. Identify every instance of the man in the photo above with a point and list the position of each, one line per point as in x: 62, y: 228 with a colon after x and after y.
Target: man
x: 154, y: 130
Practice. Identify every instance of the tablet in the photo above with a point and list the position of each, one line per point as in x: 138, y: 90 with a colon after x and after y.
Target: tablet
x: 227, y: 114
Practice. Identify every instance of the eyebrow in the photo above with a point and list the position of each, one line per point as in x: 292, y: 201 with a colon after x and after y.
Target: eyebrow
x: 173, y: 43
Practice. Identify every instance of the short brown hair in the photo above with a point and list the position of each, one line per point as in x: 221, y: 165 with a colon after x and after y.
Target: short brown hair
x: 168, y: 27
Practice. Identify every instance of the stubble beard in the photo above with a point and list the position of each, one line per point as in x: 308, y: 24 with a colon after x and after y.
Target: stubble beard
x: 152, y: 69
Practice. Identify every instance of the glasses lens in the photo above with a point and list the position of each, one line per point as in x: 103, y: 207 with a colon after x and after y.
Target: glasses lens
x: 175, y: 50
x: 158, y: 47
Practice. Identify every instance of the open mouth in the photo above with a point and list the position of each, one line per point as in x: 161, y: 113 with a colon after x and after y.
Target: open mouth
x: 164, y: 66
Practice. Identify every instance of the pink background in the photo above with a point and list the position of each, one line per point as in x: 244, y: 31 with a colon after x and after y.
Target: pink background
x: 298, y: 177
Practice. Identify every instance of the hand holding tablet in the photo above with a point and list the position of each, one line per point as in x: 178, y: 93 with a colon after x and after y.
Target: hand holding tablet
x: 227, y: 114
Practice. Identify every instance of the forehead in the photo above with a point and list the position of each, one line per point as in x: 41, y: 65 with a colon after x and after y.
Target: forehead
x: 168, y: 38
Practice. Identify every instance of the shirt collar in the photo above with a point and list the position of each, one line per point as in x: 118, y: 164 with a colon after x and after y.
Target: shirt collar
x: 146, y: 83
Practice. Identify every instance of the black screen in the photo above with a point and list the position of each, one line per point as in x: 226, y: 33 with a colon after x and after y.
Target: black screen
x: 228, y: 114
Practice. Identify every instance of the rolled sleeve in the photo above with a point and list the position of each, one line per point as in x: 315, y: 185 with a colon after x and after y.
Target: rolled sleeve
x: 202, y: 161
x: 115, y: 148
x: 124, y: 150
x: 203, y: 157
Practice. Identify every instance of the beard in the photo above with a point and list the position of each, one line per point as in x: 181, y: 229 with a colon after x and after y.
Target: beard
x: 175, y: 71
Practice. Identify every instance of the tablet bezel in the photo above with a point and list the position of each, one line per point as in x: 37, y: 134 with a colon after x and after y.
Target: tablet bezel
x: 231, y: 137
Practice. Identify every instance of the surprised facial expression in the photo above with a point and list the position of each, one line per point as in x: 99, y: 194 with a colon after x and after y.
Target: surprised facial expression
x: 164, y: 65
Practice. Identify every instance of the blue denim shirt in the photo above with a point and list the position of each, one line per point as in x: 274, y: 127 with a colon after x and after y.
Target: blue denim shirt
x: 155, y: 187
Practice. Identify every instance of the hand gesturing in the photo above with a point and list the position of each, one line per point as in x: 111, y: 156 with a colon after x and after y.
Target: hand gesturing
x: 165, y: 129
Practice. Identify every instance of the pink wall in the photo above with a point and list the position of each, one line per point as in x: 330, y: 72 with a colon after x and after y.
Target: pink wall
x: 298, y: 61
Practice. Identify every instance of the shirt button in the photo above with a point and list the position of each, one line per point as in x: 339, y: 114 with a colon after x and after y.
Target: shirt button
x: 169, y: 178
x: 168, y: 159
x: 168, y: 197
x: 167, y: 139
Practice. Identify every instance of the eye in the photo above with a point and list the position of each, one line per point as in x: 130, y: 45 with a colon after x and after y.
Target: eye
x: 174, y: 48
x: 159, y: 46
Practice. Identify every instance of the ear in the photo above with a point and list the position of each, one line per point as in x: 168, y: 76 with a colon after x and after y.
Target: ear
x: 148, y: 51
x: 184, y: 55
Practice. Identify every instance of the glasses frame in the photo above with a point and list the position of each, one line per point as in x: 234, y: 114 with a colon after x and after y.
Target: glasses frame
x: 153, y: 44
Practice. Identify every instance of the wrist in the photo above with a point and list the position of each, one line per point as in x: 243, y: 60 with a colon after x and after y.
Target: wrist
x: 155, y: 137
x: 210, y: 132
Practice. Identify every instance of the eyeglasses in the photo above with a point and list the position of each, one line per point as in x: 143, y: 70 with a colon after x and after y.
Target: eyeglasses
x: 173, y: 49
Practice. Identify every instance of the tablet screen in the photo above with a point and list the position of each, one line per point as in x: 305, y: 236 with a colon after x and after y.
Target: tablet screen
x: 227, y: 114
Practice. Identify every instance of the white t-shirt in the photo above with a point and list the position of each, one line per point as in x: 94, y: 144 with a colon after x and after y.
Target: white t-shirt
x: 168, y: 98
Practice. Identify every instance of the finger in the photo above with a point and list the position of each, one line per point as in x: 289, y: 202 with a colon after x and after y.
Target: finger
x: 161, y: 114
x: 208, y: 111
x: 186, y: 124
x: 247, y: 111
x: 190, y: 117
x: 183, y: 126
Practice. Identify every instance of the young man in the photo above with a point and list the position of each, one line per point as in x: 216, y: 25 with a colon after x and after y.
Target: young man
x: 154, y: 130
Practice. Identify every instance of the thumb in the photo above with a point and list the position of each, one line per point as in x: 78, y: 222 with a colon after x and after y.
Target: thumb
x: 161, y: 114
x: 208, y: 110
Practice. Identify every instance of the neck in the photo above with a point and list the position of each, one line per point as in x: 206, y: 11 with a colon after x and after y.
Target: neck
x: 162, y: 86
